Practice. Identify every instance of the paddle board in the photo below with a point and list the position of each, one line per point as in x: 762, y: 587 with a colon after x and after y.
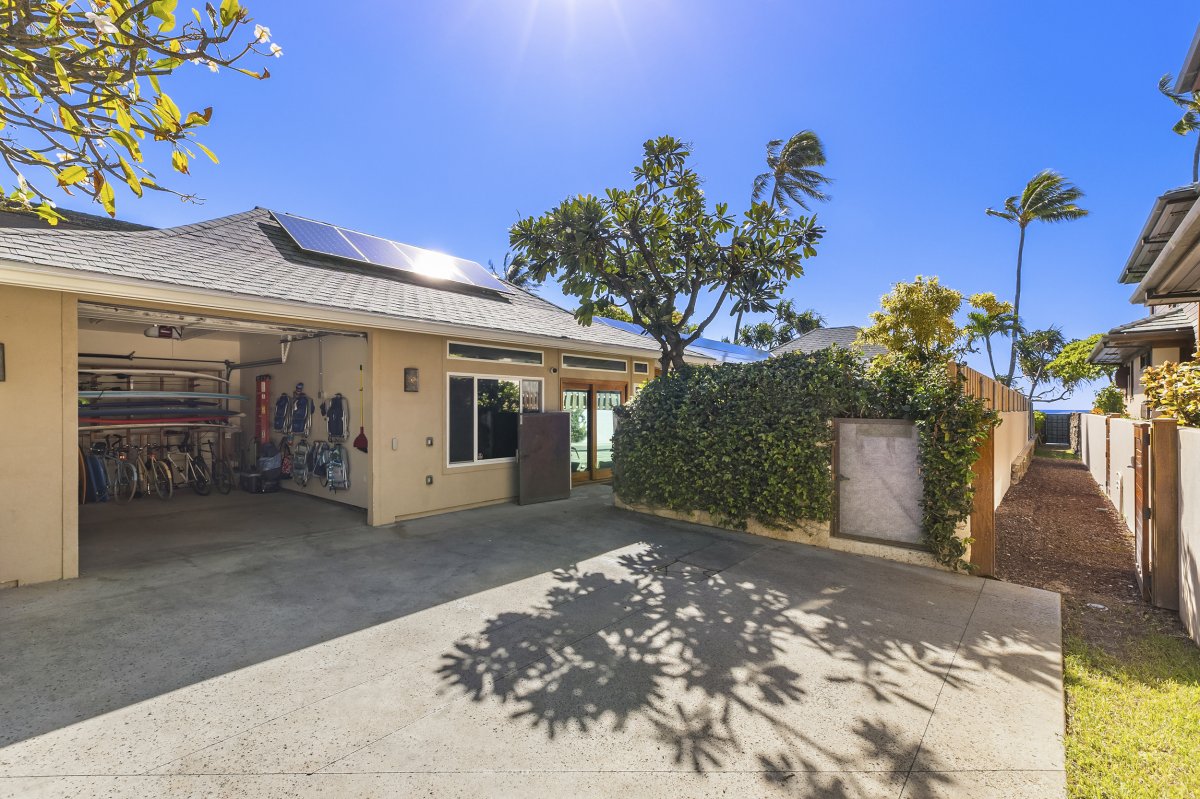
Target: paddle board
x: 163, y: 421
x: 136, y: 372
x: 117, y: 394
x: 147, y: 425
x: 109, y: 412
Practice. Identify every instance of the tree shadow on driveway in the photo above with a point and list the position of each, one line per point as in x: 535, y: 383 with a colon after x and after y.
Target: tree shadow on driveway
x: 747, y: 665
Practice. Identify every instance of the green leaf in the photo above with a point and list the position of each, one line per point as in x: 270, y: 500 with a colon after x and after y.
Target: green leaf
x: 72, y: 175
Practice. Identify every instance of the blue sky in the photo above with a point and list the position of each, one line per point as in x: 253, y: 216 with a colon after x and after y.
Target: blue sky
x: 439, y: 123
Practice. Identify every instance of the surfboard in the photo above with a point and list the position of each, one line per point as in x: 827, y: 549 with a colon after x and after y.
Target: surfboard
x: 165, y: 421
x: 109, y: 412
x: 163, y: 403
x: 117, y: 394
x: 171, y: 425
x: 138, y: 372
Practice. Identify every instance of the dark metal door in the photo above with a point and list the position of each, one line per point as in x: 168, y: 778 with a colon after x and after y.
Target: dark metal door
x: 1141, y: 504
x: 544, y: 457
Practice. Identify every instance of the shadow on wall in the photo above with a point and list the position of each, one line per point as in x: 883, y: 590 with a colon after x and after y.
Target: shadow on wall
x: 711, y: 667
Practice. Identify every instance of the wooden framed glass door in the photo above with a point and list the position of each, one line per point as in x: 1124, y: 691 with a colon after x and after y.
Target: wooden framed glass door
x: 592, y: 406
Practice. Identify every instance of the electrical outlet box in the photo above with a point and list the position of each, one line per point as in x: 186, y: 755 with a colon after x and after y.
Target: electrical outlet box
x: 395, y: 443
x: 429, y: 441
x: 429, y: 479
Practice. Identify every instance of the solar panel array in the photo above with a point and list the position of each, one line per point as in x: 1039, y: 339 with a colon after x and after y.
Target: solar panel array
x: 340, y: 242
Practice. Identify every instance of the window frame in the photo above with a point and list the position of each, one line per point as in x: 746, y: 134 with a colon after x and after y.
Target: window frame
x: 623, y: 361
x: 646, y: 364
x: 541, y: 354
x: 475, y: 378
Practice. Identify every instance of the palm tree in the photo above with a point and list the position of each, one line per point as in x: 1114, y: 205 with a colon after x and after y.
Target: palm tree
x: 1187, y: 123
x: 1048, y: 197
x: 791, y: 179
x: 982, y: 325
x: 515, y: 272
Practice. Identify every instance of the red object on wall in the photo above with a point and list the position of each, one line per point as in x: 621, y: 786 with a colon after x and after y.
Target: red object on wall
x: 262, y: 409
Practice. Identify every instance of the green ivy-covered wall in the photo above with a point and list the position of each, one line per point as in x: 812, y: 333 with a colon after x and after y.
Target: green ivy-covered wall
x: 754, y: 441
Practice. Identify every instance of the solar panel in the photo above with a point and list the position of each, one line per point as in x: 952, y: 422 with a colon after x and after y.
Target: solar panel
x: 317, y: 237
x: 378, y: 251
x: 328, y: 239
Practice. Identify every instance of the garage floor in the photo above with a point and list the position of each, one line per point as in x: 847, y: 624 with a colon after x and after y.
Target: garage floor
x: 148, y: 529
x: 566, y: 649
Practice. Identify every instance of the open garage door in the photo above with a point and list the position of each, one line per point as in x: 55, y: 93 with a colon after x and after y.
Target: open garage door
x: 199, y: 431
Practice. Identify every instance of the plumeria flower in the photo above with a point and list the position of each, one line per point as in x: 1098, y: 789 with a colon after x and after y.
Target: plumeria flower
x: 62, y: 156
x: 22, y: 182
x: 102, y: 23
x: 204, y: 62
x: 276, y: 50
x: 262, y: 33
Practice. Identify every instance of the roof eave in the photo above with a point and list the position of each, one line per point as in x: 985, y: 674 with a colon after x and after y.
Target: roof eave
x: 71, y: 281
x: 1181, y: 243
x: 1189, y: 73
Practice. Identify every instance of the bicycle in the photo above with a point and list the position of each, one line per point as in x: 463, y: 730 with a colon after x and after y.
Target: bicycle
x: 121, y: 473
x: 221, y: 471
x: 154, y: 475
x: 194, y: 471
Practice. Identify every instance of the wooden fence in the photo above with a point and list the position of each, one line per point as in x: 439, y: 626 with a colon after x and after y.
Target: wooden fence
x: 998, y: 396
x: 1003, y: 458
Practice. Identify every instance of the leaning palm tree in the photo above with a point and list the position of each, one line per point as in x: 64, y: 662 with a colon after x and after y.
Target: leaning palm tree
x: 1190, y: 120
x: 791, y: 179
x: 1048, y: 197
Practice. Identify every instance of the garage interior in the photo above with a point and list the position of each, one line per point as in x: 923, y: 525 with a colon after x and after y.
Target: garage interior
x: 175, y: 412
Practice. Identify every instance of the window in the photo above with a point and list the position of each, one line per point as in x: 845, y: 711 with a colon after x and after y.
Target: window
x: 481, y: 352
x: 593, y: 362
x: 483, y: 415
x: 641, y: 368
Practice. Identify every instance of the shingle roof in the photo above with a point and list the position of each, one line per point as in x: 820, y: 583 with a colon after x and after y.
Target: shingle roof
x: 1170, y: 321
x: 721, y: 351
x: 74, y: 220
x: 825, y: 337
x: 1115, y: 345
x: 249, y: 254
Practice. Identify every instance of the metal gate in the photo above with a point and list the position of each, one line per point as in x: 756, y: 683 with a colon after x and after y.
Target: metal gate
x: 877, y: 469
x: 1141, y: 505
x: 544, y: 457
x: 1057, y: 429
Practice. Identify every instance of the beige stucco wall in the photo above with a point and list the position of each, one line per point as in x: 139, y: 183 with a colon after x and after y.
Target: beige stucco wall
x: 408, y: 418
x: 39, y: 476
x: 1011, y: 439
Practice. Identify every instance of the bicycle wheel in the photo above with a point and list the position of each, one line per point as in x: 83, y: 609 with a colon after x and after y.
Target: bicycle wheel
x: 124, y: 485
x: 199, y: 477
x: 164, y: 481
x: 222, y: 476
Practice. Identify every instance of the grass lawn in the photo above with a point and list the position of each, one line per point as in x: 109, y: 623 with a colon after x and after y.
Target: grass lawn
x: 1133, y: 718
x: 1060, y: 454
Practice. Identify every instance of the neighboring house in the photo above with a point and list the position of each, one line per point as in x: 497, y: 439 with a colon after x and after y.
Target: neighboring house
x: 1165, y: 267
x: 720, y: 351
x: 826, y: 337
x: 450, y: 358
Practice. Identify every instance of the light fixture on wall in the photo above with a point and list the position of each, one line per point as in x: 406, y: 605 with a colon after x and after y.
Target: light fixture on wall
x: 412, y: 379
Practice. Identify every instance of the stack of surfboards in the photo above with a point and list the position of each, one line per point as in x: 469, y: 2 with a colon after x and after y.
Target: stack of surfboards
x: 120, y: 408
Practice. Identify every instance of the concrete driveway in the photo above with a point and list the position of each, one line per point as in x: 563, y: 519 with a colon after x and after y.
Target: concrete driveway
x: 567, y: 649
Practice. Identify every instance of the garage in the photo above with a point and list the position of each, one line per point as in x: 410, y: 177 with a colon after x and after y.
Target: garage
x: 200, y: 432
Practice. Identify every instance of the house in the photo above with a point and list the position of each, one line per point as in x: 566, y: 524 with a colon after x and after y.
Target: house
x: 718, y: 351
x: 1165, y: 268
x: 826, y: 337
x: 450, y: 360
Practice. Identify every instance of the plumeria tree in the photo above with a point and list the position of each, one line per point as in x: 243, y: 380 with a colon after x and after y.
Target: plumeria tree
x: 83, y: 96
x: 662, y: 253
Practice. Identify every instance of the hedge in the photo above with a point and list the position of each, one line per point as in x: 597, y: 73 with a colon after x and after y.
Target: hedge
x: 755, y: 441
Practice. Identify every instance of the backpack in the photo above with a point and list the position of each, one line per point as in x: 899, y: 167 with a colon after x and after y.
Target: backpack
x: 337, y: 470
x: 281, y: 420
x: 318, y: 459
x: 300, y: 470
x: 270, y: 462
x: 337, y: 413
x: 300, y: 413
x: 286, y: 460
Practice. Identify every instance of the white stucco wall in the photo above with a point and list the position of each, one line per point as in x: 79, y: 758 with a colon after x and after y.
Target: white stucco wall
x: 1120, y: 479
x: 1189, y: 530
x: 1094, y: 446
